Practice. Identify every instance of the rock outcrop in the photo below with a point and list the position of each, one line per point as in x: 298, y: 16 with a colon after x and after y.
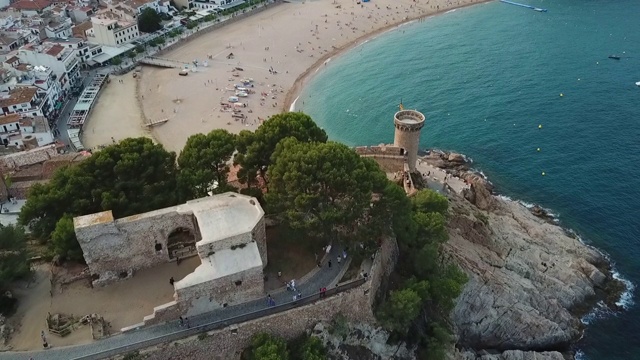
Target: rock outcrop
x: 512, y: 355
x: 528, y: 277
x: 359, y: 342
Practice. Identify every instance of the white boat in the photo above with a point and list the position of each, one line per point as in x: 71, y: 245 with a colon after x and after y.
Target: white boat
x: 233, y: 99
x: 638, y: 83
x: 241, y: 94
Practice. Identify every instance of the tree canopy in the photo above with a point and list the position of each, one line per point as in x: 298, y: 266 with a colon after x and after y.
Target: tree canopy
x: 13, y: 255
x: 255, y: 148
x: 420, y: 227
x: 149, y: 21
x: 268, y: 347
x: 203, y: 163
x: 321, y: 187
x: 130, y: 177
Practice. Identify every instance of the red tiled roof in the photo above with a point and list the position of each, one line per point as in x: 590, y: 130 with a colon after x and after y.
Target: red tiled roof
x: 55, y: 50
x: 31, y: 4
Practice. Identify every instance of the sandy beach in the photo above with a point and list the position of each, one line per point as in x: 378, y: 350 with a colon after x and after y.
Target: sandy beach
x: 116, y: 115
x: 277, y: 51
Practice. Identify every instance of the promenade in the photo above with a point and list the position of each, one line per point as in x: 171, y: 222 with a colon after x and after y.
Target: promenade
x: 144, y: 337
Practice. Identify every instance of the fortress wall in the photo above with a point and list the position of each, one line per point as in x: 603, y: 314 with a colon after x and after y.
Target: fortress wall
x: 128, y: 244
x: 197, y: 299
x: 259, y: 234
x: 229, y: 342
x: 390, y: 158
x: 204, y: 250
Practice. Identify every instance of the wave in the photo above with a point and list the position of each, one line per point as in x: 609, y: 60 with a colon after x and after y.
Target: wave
x: 292, y: 108
x: 579, y: 355
x: 626, y: 299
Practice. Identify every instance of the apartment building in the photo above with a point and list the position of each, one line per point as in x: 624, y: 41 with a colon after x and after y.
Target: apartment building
x: 112, y: 32
x: 25, y: 132
x: 61, y: 60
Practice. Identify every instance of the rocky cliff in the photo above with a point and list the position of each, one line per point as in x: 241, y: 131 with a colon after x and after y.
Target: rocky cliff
x: 529, y: 279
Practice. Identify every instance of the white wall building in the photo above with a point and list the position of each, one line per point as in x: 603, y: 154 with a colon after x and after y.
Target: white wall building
x: 25, y: 132
x: 61, y: 60
x: 112, y: 32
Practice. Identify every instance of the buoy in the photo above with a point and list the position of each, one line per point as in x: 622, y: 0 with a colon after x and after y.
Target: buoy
x: 538, y: 149
x: 543, y: 174
x: 561, y: 94
x: 540, y: 126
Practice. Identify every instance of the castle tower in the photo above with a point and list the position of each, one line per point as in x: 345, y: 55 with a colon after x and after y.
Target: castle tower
x: 408, y: 124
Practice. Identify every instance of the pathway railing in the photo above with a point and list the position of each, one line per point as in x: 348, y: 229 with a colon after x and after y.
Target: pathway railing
x: 218, y: 324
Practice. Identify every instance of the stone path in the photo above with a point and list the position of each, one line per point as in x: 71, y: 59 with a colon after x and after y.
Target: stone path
x: 436, y: 178
x: 323, y: 277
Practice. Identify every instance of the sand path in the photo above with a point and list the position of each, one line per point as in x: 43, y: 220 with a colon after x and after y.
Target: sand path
x: 123, y: 303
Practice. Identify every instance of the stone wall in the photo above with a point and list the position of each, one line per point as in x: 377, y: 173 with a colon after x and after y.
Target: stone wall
x: 259, y: 234
x: 204, y: 250
x: 228, y: 343
x: 390, y: 158
x: 14, y: 161
x: 213, y: 294
x: 129, y: 244
x: 383, y: 265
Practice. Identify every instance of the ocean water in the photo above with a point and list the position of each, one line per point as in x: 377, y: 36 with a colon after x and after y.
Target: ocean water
x: 486, y: 77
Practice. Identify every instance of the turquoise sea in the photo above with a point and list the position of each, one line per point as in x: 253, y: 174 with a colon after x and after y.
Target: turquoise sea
x: 486, y: 76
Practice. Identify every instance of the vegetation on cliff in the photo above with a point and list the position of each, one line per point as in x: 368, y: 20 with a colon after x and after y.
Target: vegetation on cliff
x: 418, y: 309
x: 270, y: 347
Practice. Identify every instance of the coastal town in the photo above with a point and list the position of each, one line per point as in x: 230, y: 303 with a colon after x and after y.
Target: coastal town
x: 84, y: 77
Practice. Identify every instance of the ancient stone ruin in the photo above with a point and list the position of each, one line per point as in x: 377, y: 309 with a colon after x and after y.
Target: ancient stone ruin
x: 226, y: 231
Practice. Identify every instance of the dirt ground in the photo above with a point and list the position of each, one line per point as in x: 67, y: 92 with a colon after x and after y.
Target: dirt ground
x: 123, y: 303
x: 288, y: 254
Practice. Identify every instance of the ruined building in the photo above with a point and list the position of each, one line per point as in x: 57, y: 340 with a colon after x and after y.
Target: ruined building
x: 226, y: 231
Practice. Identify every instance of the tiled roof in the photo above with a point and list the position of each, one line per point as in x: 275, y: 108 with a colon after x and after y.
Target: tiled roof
x: 31, y: 4
x: 18, y: 96
x: 55, y: 50
x: 8, y: 119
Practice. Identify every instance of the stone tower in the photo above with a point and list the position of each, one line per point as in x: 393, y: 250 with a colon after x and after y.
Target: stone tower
x: 408, y: 124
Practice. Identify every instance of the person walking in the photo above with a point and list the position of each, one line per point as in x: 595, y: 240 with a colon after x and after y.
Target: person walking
x: 181, y: 321
x: 186, y: 320
x: 171, y: 281
x: 329, y: 264
x: 339, y: 258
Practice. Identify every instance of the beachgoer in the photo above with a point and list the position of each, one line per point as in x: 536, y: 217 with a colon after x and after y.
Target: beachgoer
x: 171, y: 281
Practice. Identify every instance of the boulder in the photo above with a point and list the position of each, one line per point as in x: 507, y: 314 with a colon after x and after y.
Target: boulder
x: 456, y: 158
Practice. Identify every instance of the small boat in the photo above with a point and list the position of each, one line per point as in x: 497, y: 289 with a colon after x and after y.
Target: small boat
x: 614, y: 57
x: 638, y: 83
x: 540, y: 10
x: 183, y: 72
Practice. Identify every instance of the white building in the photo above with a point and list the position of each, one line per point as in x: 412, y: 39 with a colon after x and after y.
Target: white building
x: 60, y: 59
x: 112, y: 32
x: 17, y: 75
x: 25, y: 132
x: 160, y: 6
x: 59, y: 28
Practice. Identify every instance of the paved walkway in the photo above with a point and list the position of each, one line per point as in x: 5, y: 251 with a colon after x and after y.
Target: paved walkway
x: 323, y: 277
x: 435, y: 178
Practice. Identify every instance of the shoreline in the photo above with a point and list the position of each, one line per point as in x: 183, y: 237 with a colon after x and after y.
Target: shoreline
x: 594, y: 310
x: 303, y: 79
x: 278, y: 51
